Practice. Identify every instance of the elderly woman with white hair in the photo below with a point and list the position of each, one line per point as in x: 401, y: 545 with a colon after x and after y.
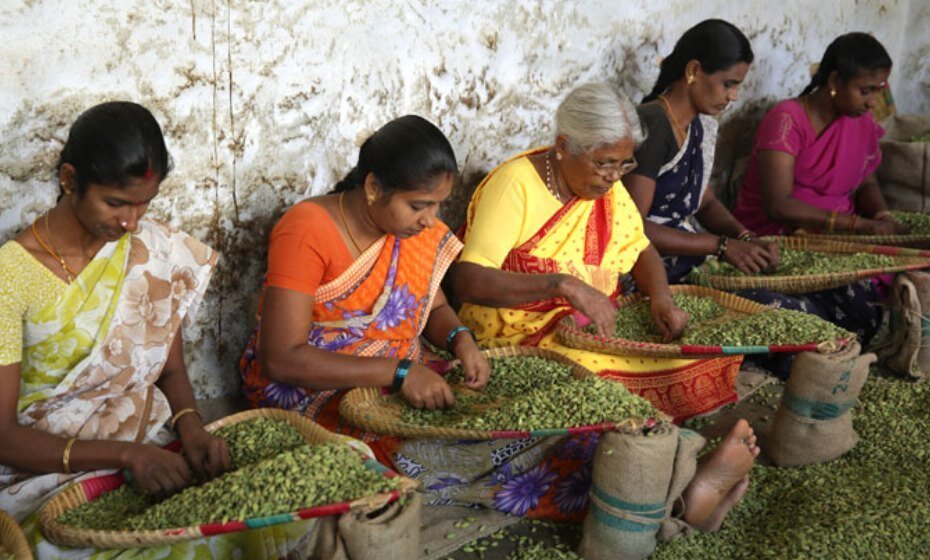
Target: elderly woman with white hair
x: 553, y: 230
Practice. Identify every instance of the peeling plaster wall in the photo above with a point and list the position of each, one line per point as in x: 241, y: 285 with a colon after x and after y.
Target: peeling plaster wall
x: 262, y: 101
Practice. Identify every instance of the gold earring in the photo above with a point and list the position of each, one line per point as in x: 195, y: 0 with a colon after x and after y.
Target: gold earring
x: 690, y: 79
x: 370, y: 198
x: 558, y: 156
x: 832, y: 92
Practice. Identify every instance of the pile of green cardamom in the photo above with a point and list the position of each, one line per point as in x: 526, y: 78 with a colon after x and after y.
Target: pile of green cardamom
x: 921, y: 138
x: 767, y: 328
x: 275, y: 473
x: 796, y: 262
x: 634, y: 322
x: 870, y: 503
x: 918, y: 222
x: 532, y: 393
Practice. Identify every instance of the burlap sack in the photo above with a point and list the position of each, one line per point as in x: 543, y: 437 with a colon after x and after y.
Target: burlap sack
x: 906, y: 349
x: 813, y: 422
x: 689, y: 444
x: 629, y: 494
x: 904, y: 173
x: 388, y: 534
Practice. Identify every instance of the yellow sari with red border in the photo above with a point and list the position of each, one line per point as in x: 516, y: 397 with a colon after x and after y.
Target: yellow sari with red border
x: 597, y: 241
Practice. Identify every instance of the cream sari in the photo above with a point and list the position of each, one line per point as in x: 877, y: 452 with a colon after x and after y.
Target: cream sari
x: 90, y: 363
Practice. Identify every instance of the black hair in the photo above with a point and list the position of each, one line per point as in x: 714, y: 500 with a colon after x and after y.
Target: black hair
x: 112, y: 144
x: 406, y: 154
x: 715, y: 43
x: 849, y: 55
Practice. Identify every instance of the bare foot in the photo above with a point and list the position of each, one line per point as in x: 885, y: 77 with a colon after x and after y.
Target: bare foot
x: 715, y: 521
x: 722, y: 479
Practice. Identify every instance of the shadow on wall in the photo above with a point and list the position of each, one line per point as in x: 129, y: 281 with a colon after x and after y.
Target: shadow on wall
x: 734, y: 144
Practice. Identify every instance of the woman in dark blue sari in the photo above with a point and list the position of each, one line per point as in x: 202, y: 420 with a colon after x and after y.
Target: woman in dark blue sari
x: 684, y: 219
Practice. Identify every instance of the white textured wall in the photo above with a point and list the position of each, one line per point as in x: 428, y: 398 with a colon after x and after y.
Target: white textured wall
x: 262, y: 101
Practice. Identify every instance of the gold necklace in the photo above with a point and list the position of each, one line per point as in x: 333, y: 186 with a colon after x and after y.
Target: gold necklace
x: 671, y: 115
x: 70, y: 274
x: 345, y: 222
x: 552, y: 189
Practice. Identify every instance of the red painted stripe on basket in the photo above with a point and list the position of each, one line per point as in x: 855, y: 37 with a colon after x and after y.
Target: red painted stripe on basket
x: 329, y: 509
x: 221, y: 528
x: 93, y: 487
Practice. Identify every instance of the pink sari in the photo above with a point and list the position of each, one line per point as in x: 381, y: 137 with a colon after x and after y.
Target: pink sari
x: 828, y: 168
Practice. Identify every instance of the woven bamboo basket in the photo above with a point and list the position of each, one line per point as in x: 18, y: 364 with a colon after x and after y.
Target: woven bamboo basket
x: 913, y: 241
x: 12, y: 539
x: 90, y: 489
x: 570, y: 331
x: 905, y: 259
x: 367, y: 408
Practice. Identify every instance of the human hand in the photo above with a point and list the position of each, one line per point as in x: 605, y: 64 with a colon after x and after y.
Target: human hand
x: 476, y: 365
x: 424, y: 388
x: 157, y: 471
x: 207, y: 454
x: 899, y: 228
x: 593, y: 304
x: 877, y: 227
x: 749, y: 257
x: 668, y: 317
x: 772, y: 249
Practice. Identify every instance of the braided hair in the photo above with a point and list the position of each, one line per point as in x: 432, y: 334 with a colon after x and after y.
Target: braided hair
x: 716, y: 44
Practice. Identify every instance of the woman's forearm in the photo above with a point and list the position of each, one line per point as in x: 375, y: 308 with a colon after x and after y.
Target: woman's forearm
x: 318, y: 369
x: 715, y: 218
x: 670, y: 241
x: 869, y: 198
x: 35, y: 451
x: 649, y: 274
x: 491, y: 287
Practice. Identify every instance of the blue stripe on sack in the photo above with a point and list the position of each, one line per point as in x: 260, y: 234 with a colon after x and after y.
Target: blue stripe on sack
x: 621, y: 524
x: 816, y: 410
x: 652, y: 511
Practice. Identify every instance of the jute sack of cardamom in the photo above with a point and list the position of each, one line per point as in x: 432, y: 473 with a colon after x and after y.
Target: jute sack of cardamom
x: 813, y: 422
x: 632, y: 479
x: 906, y: 350
x: 904, y: 172
x: 391, y: 532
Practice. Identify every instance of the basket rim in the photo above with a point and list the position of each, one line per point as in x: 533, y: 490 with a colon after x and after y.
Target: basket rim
x: 76, y: 494
x: 359, y: 404
x: 907, y: 259
x: 570, y: 332
x: 12, y: 538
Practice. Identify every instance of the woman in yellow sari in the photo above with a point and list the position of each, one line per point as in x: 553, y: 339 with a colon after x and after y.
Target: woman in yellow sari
x: 553, y: 230
x: 92, y: 373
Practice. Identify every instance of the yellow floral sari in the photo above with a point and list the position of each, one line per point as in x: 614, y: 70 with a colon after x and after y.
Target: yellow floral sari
x: 89, y: 365
x: 597, y: 241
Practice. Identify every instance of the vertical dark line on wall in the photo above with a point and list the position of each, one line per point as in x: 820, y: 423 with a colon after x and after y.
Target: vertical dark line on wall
x: 232, y: 118
x: 194, y: 19
x: 216, y: 226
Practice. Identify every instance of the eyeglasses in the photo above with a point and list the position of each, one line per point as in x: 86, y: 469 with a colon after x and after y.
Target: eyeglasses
x: 607, y: 168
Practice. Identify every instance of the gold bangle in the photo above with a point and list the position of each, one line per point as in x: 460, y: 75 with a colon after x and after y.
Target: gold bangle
x: 66, y: 456
x: 177, y: 416
x: 831, y: 221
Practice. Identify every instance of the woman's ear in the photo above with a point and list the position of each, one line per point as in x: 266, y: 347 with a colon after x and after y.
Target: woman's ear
x: 692, y: 68
x: 372, y: 189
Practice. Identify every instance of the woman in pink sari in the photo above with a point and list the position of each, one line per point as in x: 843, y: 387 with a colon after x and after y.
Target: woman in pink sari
x: 814, y: 160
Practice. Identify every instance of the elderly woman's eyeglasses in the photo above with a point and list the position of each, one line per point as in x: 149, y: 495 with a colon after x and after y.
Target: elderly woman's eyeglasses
x: 608, y: 168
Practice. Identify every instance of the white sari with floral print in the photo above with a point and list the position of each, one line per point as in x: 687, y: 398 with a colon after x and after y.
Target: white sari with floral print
x: 91, y: 360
